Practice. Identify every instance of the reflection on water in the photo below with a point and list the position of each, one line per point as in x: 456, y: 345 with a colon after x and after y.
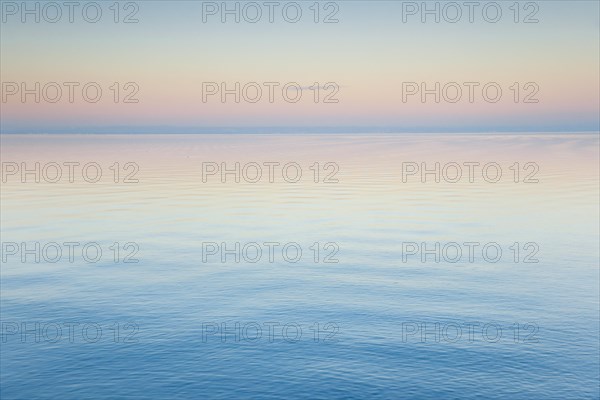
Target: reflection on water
x: 385, y: 299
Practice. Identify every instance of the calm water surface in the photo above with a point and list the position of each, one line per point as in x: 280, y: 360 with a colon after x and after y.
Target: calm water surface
x: 375, y: 321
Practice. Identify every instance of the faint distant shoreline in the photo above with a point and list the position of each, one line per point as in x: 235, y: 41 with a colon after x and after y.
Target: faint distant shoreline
x: 282, y: 131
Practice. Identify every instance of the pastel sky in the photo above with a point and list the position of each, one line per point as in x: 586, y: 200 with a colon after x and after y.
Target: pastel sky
x: 368, y: 54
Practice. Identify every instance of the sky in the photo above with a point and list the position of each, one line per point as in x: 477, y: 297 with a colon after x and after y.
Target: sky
x: 374, y: 65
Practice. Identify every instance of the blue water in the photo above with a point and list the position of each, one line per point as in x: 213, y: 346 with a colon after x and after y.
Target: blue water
x: 370, y: 306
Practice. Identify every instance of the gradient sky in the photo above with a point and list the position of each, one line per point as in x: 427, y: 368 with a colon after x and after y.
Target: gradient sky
x: 369, y: 53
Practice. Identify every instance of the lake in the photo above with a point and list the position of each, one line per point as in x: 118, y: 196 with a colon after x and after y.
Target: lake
x: 300, y: 266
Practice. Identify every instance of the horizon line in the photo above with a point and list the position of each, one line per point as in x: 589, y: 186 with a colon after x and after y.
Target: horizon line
x: 120, y: 130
